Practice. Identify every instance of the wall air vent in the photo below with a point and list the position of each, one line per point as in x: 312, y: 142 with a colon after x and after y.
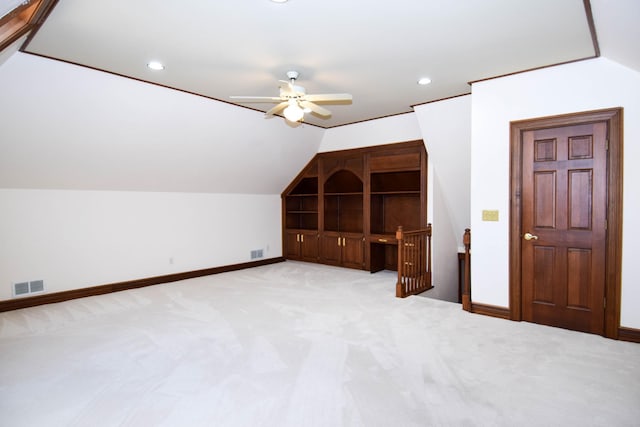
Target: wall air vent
x: 20, y: 289
x: 257, y: 253
x: 27, y: 288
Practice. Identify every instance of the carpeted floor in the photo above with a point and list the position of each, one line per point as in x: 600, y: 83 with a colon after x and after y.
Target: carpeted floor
x: 297, y: 344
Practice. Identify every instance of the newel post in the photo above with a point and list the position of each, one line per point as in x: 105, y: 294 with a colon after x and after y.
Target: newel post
x: 399, y: 238
x: 466, y: 292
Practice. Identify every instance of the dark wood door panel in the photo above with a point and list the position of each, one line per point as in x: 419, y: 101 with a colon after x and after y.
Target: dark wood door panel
x: 353, y: 251
x: 331, y: 248
x: 564, y: 210
x: 292, y: 245
x: 309, y: 246
x: 544, y: 199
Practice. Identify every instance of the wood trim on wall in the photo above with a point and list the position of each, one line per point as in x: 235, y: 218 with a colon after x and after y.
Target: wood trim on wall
x: 491, y: 310
x: 629, y: 334
x: 592, y: 26
x: 26, y: 18
x: 18, y: 303
x: 613, y: 280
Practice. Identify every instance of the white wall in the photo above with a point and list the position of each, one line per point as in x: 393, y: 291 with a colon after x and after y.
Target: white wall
x: 581, y: 86
x: 75, y: 239
x: 400, y: 128
x: 446, y: 130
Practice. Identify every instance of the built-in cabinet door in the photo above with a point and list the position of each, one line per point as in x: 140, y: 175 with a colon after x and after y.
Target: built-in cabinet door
x: 353, y: 251
x: 343, y: 250
x: 302, y: 245
x: 292, y: 244
x: 309, y: 246
x: 331, y: 248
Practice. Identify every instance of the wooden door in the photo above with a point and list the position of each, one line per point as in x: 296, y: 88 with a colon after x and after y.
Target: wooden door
x: 564, y: 220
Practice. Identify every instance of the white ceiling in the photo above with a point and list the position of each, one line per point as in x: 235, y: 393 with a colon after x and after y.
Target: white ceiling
x: 373, y: 50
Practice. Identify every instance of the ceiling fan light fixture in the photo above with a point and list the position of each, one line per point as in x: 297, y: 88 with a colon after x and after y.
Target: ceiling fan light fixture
x: 279, y: 1
x: 293, y: 112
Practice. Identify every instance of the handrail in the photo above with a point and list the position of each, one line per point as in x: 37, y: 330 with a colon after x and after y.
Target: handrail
x: 466, y: 291
x: 414, y: 261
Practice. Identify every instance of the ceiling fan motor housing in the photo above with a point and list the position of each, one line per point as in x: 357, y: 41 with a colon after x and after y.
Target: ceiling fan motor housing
x: 298, y: 92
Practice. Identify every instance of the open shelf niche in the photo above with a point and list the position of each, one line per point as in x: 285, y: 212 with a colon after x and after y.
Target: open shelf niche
x: 343, y: 203
x: 302, y: 205
x: 395, y: 199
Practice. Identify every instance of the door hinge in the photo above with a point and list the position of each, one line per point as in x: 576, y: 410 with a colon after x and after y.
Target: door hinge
x: 606, y: 144
x: 606, y: 224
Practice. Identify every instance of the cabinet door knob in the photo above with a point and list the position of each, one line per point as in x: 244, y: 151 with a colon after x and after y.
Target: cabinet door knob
x: 302, y: 238
x: 344, y: 243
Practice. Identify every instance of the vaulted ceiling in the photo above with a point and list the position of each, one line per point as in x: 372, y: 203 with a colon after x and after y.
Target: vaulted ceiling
x: 376, y: 51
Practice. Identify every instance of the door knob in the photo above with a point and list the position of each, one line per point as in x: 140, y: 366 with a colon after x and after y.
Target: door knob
x: 529, y: 236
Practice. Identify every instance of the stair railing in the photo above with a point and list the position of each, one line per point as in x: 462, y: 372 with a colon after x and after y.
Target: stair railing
x: 414, y: 261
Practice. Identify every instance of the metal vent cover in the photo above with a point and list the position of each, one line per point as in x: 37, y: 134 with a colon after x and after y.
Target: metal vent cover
x: 36, y: 286
x: 27, y: 288
x: 20, y: 288
x: 257, y: 253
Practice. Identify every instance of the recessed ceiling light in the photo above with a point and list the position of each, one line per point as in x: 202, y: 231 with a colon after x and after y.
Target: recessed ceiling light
x: 155, y: 65
x: 279, y: 1
x: 424, y: 81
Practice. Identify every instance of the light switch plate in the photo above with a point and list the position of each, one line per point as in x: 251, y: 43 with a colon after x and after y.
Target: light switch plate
x: 490, y: 215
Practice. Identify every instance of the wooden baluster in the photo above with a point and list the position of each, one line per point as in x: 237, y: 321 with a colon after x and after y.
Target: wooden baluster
x: 399, y: 238
x: 429, y: 254
x: 466, y: 292
x: 409, y: 262
x: 423, y: 261
x: 418, y: 261
x: 415, y: 272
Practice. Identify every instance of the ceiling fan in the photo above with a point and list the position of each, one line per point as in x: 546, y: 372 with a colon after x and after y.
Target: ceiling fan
x: 294, y: 101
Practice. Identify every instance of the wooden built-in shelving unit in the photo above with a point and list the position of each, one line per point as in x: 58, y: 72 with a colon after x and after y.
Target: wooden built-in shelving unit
x: 345, y: 206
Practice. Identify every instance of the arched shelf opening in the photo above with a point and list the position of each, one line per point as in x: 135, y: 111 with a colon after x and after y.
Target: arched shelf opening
x: 343, y: 202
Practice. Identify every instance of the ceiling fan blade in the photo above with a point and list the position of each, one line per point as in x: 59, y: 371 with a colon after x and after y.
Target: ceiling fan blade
x: 329, y: 97
x: 276, y: 109
x: 257, y: 98
x: 315, y: 108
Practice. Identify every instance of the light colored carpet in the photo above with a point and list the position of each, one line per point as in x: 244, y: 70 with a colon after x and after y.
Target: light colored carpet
x: 297, y: 344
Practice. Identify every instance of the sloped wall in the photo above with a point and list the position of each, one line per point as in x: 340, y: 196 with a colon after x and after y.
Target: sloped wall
x: 446, y: 130
x: 69, y: 127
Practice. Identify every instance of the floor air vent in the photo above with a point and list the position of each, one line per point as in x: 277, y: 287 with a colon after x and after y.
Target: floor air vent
x: 28, y: 288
